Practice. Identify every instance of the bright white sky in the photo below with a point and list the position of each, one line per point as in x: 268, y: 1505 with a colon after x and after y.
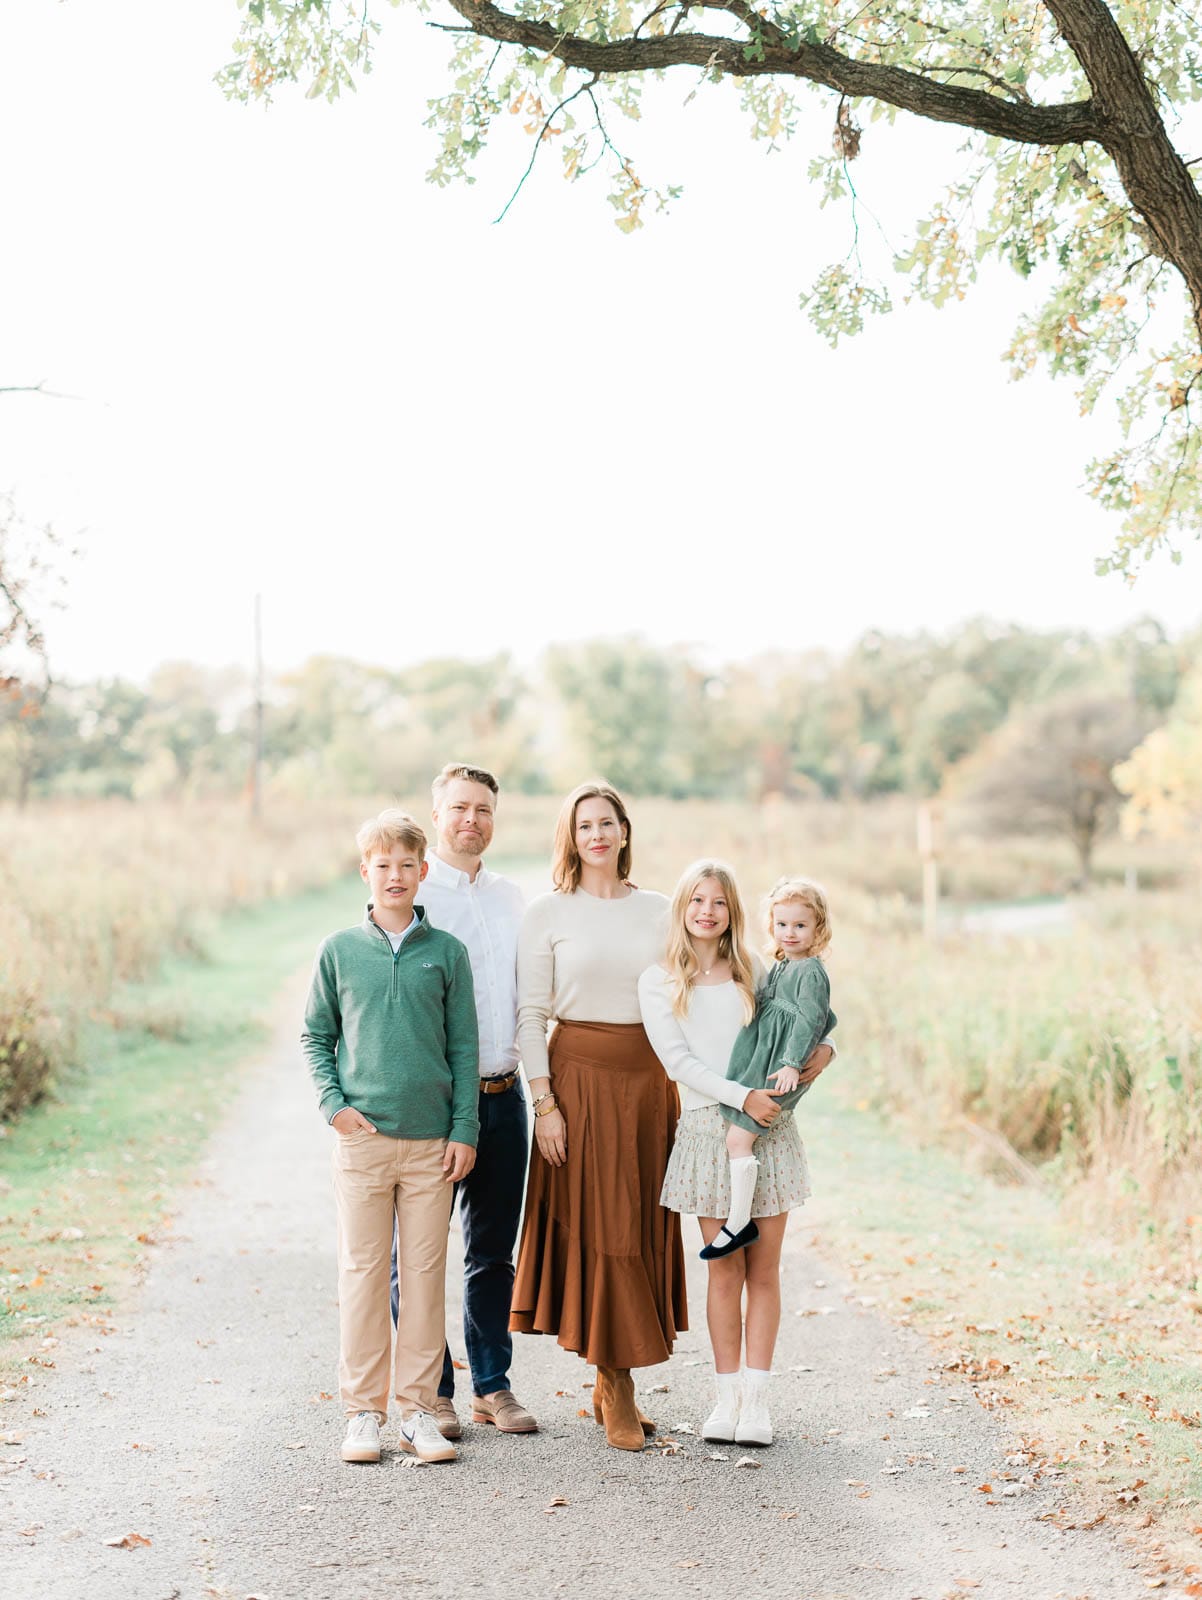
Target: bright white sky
x: 305, y: 371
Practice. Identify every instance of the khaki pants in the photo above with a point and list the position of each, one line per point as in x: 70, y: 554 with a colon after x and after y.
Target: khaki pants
x: 375, y: 1179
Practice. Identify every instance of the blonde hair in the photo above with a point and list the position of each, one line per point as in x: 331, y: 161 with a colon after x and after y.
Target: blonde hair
x: 811, y: 895
x: 681, y: 959
x: 391, y: 827
x: 460, y: 769
x: 565, y: 858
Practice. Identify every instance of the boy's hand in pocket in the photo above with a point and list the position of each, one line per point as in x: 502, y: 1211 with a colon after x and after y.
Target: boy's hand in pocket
x: 348, y: 1121
x: 458, y: 1161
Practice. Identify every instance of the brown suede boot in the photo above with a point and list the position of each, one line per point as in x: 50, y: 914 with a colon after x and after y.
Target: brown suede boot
x: 623, y: 1429
x: 645, y: 1422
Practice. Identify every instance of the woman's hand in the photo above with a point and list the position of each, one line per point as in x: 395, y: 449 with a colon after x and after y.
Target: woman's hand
x: 761, y: 1107
x: 785, y: 1079
x: 820, y: 1058
x: 551, y: 1137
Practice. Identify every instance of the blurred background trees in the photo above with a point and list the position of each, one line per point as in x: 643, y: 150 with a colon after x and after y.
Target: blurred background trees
x: 1027, y: 725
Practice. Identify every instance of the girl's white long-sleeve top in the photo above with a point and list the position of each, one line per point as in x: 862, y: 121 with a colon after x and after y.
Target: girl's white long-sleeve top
x: 695, y: 1049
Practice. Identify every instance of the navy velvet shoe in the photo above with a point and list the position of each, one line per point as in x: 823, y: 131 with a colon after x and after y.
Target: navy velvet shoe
x: 732, y: 1242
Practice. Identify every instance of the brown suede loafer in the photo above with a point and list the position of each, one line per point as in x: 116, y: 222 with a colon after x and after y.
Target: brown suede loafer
x: 446, y: 1419
x: 503, y: 1412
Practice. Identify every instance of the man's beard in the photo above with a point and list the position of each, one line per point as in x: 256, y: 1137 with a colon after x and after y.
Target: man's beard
x: 470, y: 845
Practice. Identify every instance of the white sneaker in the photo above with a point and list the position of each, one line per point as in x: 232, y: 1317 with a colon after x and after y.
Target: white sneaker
x: 722, y: 1421
x: 419, y: 1435
x: 754, y: 1425
x: 362, y: 1442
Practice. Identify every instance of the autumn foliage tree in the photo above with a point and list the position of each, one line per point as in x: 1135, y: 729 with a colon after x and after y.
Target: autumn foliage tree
x: 1051, y: 768
x: 1073, y: 172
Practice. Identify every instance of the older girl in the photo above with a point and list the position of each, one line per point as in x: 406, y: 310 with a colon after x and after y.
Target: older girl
x: 694, y: 1005
x: 600, y: 1264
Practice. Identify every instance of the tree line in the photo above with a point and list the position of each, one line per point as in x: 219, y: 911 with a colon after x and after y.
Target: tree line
x: 906, y: 713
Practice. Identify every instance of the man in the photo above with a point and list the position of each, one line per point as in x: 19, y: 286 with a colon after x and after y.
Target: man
x: 484, y: 910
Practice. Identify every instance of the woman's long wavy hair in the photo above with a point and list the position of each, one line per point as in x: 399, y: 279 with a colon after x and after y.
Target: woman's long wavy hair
x: 565, y: 857
x: 681, y: 959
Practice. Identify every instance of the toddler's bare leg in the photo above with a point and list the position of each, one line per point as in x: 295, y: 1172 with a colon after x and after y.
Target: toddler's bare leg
x: 740, y: 1142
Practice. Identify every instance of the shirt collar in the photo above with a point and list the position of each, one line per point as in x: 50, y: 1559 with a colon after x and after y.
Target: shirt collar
x: 370, y: 923
x: 449, y: 877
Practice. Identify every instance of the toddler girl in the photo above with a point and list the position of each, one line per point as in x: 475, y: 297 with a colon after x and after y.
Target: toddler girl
x: 792, y: 1015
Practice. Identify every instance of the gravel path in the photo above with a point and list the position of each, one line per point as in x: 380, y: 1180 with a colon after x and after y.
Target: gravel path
x: 205, y: 1424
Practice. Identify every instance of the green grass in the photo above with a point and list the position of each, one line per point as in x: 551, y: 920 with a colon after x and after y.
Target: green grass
x: 88, y: 1176
x: 1086, y: 1351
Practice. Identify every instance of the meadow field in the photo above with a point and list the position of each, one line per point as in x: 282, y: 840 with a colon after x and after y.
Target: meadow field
x: 1073, y: 1056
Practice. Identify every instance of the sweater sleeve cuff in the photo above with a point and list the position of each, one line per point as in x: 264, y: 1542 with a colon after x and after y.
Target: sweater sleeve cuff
x: 331, y: 1106
x: 465, y: 1133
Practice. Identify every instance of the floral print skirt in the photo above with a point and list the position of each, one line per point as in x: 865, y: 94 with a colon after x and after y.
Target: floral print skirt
x: 697, y: 1181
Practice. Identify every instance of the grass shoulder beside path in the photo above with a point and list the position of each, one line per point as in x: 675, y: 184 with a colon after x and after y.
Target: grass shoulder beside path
x: 87, y: 1177
x: 1088, y: 1352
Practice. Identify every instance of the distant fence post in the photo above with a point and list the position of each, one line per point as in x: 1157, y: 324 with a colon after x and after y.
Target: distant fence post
x: 928, y: 849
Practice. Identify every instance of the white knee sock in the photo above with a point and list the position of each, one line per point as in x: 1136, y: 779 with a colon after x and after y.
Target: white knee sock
x: 743, y: 1170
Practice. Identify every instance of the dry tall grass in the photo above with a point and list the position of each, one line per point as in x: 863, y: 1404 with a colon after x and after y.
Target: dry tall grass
x: 91, y: 895
x: 1078, y: 1051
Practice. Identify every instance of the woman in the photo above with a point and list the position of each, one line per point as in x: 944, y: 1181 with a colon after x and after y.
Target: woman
x: 600, y: 1263
x: 693, y: 1006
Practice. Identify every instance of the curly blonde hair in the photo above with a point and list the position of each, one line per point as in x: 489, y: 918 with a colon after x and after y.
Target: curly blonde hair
x: 811, y: 895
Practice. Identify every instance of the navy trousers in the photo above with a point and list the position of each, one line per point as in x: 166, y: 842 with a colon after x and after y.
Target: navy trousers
x: 490, y: 1208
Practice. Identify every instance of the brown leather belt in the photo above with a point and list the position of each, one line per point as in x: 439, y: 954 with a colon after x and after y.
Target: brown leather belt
x: 498, y: 1085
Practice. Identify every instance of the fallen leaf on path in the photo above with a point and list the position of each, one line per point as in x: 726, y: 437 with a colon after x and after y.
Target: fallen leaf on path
x: 297, y: 1444
x: 659, y: 1388
x: 984, y: 1488
x: 128, y: 1541
x: 32, y: 1531
x: 959, y: 1469
x: 584, y: 1412
x: 314, y: 1398
x: 688, y: 1563
x: 553, y: 1504
x: 746, y: 1461
x: 683, y: 1427
x: 917, y: 1411
x: 716, y: 1455
x: 854, y: 1483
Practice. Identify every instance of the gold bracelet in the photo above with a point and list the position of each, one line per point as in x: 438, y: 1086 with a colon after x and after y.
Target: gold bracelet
x: 546, y: 1109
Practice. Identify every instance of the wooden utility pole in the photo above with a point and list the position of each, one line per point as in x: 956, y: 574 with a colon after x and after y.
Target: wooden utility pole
x: 928, y: 849
x: 256, y: 763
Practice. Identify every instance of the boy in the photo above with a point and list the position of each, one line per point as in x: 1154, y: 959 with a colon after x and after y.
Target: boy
x: 390, y: 1037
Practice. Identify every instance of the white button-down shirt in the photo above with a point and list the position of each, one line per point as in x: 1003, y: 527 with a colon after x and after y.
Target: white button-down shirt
x: 485, y: 912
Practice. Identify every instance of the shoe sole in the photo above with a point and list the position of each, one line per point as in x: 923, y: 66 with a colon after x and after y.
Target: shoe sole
x: 491, y: 1422
x: 360, y: 1456
x: 719, y: 1438
x: 450, y: 1454
x: 756, y: 1444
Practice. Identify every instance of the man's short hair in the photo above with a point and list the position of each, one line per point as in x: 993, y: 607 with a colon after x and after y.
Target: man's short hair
x: 460, y: 769
x: 392, y: 827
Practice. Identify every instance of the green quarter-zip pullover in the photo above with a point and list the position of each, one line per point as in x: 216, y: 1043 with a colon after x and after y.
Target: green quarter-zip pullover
x: 395, y: 1035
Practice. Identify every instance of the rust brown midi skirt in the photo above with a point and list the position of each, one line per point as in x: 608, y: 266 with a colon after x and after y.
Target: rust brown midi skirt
x: 601, y: 1264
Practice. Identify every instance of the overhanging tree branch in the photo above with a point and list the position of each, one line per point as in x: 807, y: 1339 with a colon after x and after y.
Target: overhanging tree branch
x: 775, y: 56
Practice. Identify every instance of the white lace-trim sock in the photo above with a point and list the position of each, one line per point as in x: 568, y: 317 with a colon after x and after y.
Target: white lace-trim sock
x: 743, y: 1172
